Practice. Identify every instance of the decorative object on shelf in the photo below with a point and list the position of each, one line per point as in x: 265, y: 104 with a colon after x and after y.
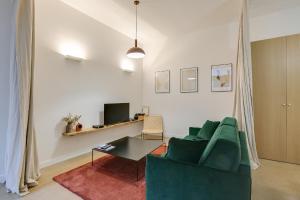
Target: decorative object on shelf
x: 136, y: 52
x: 98, y: 126
x: 162, y: 81
x: 221, y: 78
x: 145, y: 110
x: 189, y: 80
x: 71, y: 121
x: 139, y: 116
x: 79, y: 127
x: 136, y: 116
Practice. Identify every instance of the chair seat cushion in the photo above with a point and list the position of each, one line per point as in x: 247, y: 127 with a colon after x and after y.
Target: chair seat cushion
x: 208, y: 129
x: 185, y: 150
x: 152, y: 131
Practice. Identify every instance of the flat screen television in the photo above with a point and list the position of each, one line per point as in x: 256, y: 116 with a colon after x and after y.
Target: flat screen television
x: 115, y: 113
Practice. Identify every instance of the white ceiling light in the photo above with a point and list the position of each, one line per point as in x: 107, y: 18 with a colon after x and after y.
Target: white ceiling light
x: 136, y: 52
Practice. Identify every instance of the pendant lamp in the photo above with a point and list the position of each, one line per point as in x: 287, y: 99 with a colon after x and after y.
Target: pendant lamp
x: 136, y: 52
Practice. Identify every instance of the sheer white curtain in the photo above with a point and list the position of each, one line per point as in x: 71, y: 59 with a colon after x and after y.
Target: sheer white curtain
x: 243, y: 108
x: 21, y: 160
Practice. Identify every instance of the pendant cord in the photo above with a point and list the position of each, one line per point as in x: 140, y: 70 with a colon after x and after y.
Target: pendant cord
x: 136, y: 25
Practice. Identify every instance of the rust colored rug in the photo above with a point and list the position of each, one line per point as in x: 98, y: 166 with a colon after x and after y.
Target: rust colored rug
x: 109, y: 178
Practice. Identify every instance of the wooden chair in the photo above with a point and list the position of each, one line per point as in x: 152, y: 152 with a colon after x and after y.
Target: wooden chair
x: 153, y: 127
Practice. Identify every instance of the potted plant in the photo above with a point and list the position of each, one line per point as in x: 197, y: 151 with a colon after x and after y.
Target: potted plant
x: 71, y: 121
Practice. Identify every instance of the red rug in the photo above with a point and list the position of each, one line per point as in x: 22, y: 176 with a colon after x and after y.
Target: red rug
x: 109, y: 178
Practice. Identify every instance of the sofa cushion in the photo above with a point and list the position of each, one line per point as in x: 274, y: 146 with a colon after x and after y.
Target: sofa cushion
x: 185, y: 150
x: 208, y: 129
x: 230, y: 121
x: 223, y: 150
x: 194, y: 131
x: 192, y: 138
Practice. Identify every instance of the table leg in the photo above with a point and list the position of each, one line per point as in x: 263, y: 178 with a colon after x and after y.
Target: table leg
x: 92, y: 157
x: 137, y: 171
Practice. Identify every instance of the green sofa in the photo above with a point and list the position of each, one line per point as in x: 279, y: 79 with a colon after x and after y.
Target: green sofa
x: 222, y: 172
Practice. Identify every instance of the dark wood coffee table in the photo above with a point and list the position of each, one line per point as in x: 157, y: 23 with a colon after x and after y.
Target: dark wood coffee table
x: 131, y: 148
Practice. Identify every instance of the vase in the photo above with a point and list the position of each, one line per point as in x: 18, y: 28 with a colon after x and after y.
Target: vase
x: 69, y: 128
x: 78, y: 127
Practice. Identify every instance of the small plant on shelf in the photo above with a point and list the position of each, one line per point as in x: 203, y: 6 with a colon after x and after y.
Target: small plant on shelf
x: 71, y: 120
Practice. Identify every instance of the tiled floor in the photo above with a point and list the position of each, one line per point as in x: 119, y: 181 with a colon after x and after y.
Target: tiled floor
x: 276, y: 181
x: 272, y: 181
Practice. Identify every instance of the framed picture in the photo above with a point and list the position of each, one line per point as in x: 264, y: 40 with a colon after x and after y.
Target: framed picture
x: 162, y: 81
x: 189, y: 80
x: 145, y: 110
x: 221, y: 78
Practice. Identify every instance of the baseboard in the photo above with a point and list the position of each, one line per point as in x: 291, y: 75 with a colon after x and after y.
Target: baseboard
x: 59, y: 159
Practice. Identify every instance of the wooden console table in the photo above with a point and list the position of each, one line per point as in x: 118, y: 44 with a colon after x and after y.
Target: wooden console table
x: 91, y: 130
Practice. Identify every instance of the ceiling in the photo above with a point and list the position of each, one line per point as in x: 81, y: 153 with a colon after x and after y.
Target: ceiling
x: 173, y: 17
x: 169, y: 18
x: 263, y: 7
x: 159, y: 18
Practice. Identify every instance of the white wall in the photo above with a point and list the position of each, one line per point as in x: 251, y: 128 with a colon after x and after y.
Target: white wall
x: 5, y: 33
x: 200, y: 49
x: 277, y: 24
x: 63, y: 86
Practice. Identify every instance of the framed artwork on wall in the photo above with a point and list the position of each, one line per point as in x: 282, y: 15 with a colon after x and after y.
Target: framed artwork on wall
x: 189, y: 80
x: 221, y: 78
x: 145, y: 110
x: 162, y: 81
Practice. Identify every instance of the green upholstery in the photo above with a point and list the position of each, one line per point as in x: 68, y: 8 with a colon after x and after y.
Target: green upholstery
x: 223, y: 150
x: 222, y: 173
x: 208, y: 129
x: 229, y: 121
x: 192, y: 138
x: 173, y: 180
x: 194, y: 131
x: 245, y: 162
x: 185, y: 150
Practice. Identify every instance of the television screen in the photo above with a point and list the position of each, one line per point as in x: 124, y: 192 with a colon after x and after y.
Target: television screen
x: 116, y: 113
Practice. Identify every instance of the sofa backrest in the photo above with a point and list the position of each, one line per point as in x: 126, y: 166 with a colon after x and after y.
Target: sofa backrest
x: 229, y: 121
x: 245, y: 161
x: 224, y: 149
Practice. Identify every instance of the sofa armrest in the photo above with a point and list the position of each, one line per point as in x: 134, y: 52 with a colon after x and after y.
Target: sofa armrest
x: 194, y: 130
x: 173, y: 180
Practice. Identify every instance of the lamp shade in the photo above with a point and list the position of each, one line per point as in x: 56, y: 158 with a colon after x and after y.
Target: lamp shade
x: 136, y: 52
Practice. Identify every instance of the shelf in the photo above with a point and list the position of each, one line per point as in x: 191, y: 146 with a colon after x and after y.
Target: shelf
x: 92, y: 130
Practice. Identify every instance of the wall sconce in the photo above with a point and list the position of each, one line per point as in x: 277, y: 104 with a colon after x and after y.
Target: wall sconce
x: 72, y: 51
x: 127, y: 65
x: 74, y: 58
